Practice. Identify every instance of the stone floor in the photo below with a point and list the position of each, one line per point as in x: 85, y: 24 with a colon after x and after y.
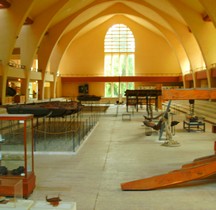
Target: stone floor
x: 118, y: 151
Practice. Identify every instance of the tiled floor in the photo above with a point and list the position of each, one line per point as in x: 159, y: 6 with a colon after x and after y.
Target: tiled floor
x: 118, y: 151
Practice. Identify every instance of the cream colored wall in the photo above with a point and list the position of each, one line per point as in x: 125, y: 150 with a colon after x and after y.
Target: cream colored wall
x: 85, y: 56
x: 96, y: 88
x: 153, y: 54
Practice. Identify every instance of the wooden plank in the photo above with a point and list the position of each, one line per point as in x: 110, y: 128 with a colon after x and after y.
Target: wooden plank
x: 196, y: 163
x: 173, y: 178
x: 186, y: 94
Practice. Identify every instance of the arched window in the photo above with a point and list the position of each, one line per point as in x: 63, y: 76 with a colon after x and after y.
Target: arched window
x: 119, y: 48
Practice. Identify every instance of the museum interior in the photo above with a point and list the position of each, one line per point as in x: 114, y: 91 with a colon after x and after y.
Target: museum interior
x: 107, y: 104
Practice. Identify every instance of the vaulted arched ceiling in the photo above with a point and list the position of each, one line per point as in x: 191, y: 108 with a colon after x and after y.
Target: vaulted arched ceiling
x: 185, y: 24
x: 45, y: 29
x: 160, y: 17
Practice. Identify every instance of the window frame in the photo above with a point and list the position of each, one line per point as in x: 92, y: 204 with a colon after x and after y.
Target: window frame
x: 119, y: 43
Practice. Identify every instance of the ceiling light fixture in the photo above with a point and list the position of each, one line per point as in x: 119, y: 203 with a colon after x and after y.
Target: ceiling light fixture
x: 28, y: 21
x: 4, y: 4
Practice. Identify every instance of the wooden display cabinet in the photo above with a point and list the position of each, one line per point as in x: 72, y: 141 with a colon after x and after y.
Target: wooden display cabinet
x: 17, y: 152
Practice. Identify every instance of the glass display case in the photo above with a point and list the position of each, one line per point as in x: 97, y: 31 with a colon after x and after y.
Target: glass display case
x: 16, y: 150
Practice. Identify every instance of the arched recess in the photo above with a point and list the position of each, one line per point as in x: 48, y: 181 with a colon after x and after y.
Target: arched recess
x: 31, y: 35
x: 13, y: 24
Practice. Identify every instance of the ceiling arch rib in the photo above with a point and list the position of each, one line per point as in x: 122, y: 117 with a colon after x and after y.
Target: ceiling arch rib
x: 55, y: 32
x: 136, y: 5
x: 67, y: 38
x: 167, y: 29
x: 75, y: 17
x: 124, y: 10
x: 78, y: 16
x: 166, y: 10
x: 190, y: 45
x: 30, y: 36
x: 202, y: 31
x: 72, y: 7
x: 8, y: 37
x: 120, y: 8
x: 89, y: 13
x: 187, y: 40
x: 49, y: 41
x: 150, y: 12
x: 13, y: 25
x: 172, y: 41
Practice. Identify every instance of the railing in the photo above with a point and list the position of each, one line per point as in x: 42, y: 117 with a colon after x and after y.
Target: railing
x: 63, y: 134
x: 136, y: 75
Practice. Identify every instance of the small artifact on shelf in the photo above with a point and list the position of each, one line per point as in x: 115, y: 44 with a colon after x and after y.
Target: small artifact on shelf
x: 3, y: 200
x: 18, y: 171
x: 3, y: 170
x: 54, y: 201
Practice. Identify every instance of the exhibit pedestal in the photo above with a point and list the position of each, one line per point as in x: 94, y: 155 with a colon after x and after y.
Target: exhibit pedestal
x: 38, y: 205
x: 18, y: 205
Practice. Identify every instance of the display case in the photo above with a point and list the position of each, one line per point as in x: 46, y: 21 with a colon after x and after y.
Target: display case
x: 16, y: 151
x: 11, y: 185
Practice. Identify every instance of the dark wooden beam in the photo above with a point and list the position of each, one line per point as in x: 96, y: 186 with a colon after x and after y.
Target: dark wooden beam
x: 213, y: 72
x: 149, y: 79
x: 188, y: 77
x: 201, y: 74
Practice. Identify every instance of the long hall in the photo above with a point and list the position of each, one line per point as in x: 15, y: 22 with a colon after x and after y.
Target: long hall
x: 117, y: 151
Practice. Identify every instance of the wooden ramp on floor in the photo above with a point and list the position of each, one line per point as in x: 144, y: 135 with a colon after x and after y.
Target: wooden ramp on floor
x: 199, y: 169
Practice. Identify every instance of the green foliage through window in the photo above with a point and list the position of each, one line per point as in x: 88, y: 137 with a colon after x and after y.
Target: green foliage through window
x: 119, y: 48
